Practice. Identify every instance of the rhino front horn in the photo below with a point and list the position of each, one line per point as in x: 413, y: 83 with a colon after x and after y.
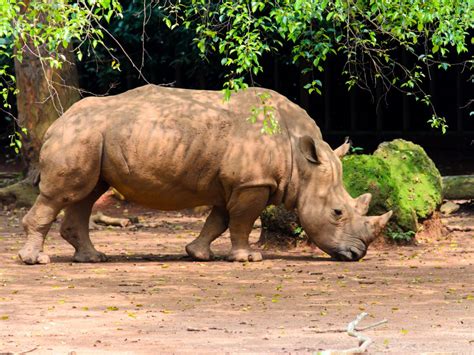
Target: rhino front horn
x: 378, y: 223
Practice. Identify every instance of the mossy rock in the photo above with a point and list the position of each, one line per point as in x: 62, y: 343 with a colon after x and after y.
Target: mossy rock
x: 417, y: 178
x: 401, y: 177
x: 367, y: 173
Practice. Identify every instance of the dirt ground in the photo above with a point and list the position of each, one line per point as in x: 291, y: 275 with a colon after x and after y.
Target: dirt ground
x: 150, y: 298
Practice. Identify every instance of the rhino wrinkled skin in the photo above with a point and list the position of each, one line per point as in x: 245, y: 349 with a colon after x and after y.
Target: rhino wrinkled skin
x: 171, y: 149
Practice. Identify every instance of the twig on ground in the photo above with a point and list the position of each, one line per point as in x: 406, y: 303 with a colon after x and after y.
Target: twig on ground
x: 343, y: 330
x: 353, y: 331
x: 28, y: 351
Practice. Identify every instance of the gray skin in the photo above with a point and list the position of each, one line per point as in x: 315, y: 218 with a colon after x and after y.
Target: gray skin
x: 171, y: 149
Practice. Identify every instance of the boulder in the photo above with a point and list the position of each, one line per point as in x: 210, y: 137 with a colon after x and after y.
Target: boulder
x: 400, y: 176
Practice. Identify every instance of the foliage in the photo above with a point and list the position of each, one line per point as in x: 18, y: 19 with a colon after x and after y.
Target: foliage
x: 370, y: 34
x: 270, y: 124
x: 400, y: 236
x: 151, y: 53
x: 45, y: 28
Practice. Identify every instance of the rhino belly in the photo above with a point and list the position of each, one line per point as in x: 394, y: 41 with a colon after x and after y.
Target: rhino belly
x: 162, y: 197
x: 163, y: 181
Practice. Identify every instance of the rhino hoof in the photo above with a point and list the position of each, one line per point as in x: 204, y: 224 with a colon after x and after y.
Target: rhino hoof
x: 244, y: 255
x: 30, y: 256
x: 197, y: 252
x: 90, y: 257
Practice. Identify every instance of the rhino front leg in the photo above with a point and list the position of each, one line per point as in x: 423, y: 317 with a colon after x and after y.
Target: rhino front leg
x: 75, y: 227
x: 36, y: 224
x: 244, y: 208
x: 216, y: 224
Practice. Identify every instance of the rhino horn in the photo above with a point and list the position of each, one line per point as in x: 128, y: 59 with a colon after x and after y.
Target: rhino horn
x: 378, y: 223
x: 343, y: 149
x: 362, y: 203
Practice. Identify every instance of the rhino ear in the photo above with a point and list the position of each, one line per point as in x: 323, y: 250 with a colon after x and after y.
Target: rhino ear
x: 308, y: 148
x: 344, y: 148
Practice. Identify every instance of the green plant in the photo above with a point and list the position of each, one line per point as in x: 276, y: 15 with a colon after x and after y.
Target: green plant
x: 46, y: 28
x: 270, y: 124
x: 356, y: 150
x: 400, y: 236
x: 369, y: 34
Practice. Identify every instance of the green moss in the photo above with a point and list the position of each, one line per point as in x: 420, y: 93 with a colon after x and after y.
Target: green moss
x: 367, y: 173
x: 401, y: 177
x: 418, y: 180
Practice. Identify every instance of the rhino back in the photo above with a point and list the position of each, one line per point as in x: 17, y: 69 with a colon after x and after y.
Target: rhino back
x: 175, y: 148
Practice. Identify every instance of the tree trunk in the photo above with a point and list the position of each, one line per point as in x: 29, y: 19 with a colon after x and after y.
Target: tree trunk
x: 458, y: 187
x: 44, y: 94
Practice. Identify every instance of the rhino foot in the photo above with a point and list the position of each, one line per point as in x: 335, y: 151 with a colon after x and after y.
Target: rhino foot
x: 198, y: 252
x: 89, y: 257
x: 244, y: 255
x: 31, y: 256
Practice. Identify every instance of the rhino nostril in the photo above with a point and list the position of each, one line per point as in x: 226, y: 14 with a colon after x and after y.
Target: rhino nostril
x: 350, y: 254
x: 357, y: 254
x: 344, y: 255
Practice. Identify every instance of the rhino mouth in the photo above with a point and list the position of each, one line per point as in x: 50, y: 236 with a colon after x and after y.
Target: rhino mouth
x: 349, y: 254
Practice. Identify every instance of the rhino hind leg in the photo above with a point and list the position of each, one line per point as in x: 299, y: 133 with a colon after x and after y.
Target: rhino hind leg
x: 75, y: 227
x: 36, y: 224
x: 216, y: 224
x: 244, y: 208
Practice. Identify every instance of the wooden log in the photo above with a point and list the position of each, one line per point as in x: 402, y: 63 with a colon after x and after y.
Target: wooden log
x: 458, y: 187
x: 101, y: 218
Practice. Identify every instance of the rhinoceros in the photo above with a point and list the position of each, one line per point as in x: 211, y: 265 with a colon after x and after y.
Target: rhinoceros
x: 171, y: 149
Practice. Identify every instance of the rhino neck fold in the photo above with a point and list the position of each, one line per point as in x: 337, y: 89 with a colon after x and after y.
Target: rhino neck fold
x: 290, y: 190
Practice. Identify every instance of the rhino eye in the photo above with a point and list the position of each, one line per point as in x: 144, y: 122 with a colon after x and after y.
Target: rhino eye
x: 338, y: 213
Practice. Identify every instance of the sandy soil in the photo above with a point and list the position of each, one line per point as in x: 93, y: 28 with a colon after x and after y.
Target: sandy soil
x: 149, y: 298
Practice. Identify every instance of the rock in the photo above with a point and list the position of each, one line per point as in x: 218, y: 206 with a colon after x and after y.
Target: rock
x: 418, y: 180
x: 449, y: 207
x: 400, y: 176
x: 368, y: 173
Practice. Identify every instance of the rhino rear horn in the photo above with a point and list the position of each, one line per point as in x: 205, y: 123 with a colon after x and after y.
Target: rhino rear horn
x: 362, y: 203
x: 343, y: 149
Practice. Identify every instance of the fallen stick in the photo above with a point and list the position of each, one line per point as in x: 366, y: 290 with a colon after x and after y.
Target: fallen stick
x: 343, y: 330
x: 101, y: 218
x: 459, y: 228
x: 353, y: 331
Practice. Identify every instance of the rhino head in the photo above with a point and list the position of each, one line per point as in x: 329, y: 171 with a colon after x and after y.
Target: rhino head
x: 331, y: 218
